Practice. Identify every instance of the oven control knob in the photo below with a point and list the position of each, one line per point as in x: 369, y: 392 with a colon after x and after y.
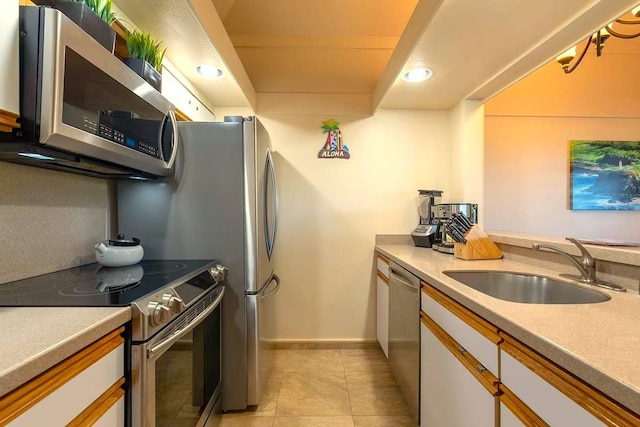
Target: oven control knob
x: 173, y: 302
x: 218, y: 273
x: 159, y: 313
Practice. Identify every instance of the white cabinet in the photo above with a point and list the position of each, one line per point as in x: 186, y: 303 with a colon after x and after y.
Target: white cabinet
x: 508, y: 418
x: 475, y: 334
x: 9, y: 71
x: 554, y: 395
x: 450, y: 395
x: 382, y: 303
x: 84, y: 389
x: 183, y: 99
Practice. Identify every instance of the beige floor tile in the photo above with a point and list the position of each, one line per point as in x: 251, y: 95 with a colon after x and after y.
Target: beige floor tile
x: 279, y: 361
x: 184, y: 422
x: 364, y: 360
x: 246, y: 421
x: 305, y: 393
x: 269, y: 398
x: 385, y: 421
x: 375, y: 393
x: 345, y: 421
x: 314, y: 361
x: 249, y: 413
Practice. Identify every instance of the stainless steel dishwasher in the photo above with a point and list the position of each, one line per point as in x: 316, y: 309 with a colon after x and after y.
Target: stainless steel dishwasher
x: 404, y: 334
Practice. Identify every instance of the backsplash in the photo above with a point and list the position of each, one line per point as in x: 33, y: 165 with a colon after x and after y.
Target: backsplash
x: 49, y: 220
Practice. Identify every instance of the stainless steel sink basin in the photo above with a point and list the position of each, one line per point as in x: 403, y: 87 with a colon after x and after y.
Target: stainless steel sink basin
x: 526, y: 288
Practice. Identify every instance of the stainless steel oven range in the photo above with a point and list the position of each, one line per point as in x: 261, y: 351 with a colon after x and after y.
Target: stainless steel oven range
x: 175, y: 350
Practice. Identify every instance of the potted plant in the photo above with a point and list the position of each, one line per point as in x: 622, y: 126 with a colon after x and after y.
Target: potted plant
x: 93, y: 16
x: 145, y: 57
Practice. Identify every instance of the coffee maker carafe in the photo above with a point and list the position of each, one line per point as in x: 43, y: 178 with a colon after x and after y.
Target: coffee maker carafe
x: 426, y: 232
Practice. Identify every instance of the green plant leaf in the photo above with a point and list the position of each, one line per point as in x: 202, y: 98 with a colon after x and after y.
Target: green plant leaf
x: 141, y: 45
x: 102, y: 8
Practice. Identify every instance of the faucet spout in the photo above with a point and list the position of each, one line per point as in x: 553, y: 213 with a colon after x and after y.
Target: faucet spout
x: 586, y: 275
x: 586, y: 266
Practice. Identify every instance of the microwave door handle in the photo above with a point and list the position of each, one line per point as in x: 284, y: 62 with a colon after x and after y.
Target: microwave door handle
x: 160, y: 347
x: 176, y: 139
x: 174, y: 125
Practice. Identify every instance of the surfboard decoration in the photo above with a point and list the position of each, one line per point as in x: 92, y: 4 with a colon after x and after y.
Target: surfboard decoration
x: 333, y: 147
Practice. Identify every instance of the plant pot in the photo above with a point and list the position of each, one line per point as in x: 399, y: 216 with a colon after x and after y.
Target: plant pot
x: 91, y: 23
x: 146, y: 71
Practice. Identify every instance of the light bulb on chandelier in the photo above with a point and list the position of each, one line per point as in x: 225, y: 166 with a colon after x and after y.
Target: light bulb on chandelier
x: 566, y: 59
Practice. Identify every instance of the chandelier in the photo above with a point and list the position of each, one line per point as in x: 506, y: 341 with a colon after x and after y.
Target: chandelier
x: 598, y: 39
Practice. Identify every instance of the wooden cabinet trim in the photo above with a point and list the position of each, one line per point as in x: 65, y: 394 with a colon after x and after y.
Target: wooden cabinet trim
x: 384, y: 278
x: 383, y: 258
x: 31, y: 393
x: 180, y: 116
x: 8, y: 121
x: 100, y: 406
x: 602, y: 407
x: 484, y: 376
x: 520, y: 409
x: 483, y: 327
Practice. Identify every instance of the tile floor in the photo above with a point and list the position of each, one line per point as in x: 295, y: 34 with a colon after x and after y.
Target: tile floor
x: 328, y: 388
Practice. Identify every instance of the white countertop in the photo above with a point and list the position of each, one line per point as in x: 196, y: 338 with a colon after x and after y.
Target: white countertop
x: 36, y: 338
x: 598, y: 343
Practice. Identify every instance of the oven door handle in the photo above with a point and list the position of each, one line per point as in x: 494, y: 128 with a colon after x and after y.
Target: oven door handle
x: 171, y: 339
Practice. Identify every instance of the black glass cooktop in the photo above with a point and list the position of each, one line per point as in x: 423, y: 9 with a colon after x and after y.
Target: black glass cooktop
x: 93, y: 285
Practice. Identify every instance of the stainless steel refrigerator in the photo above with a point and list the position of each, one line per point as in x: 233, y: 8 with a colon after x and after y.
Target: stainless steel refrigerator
x: 221, y: 204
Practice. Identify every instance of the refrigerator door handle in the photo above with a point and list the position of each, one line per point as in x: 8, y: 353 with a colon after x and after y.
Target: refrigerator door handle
x: 275, y: 279
x: 270, y: 182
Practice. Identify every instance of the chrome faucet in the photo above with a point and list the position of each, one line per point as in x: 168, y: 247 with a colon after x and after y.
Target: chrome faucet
x: 586, y: 265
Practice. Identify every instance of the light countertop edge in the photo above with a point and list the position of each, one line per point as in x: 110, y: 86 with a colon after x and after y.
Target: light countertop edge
x: 597, y: 343
x: 37, y: 338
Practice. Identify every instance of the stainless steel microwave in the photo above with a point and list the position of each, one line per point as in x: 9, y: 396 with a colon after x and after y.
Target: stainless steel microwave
x: 83, y: 110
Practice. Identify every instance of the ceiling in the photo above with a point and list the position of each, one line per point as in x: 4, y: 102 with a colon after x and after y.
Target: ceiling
x: 363, y: 47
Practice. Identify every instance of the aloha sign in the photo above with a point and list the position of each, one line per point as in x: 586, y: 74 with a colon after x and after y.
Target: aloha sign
x: 333, y: 147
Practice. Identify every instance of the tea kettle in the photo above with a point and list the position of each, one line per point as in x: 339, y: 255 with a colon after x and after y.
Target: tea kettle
x: 119, y: 252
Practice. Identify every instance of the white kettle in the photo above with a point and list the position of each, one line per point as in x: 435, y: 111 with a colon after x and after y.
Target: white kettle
x: 119, y: 252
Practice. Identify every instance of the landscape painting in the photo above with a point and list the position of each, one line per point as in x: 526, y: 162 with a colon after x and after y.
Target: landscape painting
x: 604, y: 175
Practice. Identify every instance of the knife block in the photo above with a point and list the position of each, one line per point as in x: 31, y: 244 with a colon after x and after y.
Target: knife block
x: 478, y: 246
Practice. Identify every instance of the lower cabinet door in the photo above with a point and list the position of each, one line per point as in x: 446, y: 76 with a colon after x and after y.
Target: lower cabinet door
x: 114, y: 417
x: 551, y: 405
x: 450, y: 396
x: 508, y: 418
x: 382, y: 314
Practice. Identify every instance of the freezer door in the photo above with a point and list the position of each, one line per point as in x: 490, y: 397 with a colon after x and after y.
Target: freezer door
x: 260, y: 338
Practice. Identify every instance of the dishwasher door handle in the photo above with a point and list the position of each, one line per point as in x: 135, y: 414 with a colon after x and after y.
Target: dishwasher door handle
x: 401, y: 280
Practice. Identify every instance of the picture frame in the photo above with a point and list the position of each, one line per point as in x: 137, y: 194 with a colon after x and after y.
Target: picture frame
x: 604, y: 175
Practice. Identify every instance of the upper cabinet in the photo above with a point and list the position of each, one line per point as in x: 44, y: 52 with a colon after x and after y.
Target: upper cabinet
x: 187, y: 105
x: 9, y: 71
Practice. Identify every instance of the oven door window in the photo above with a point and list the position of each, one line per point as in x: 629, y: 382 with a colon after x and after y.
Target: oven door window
x: 188, y: 374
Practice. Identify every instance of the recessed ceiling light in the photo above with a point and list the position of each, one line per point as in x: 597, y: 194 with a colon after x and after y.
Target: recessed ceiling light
x: 209, y: 71
x: 418, y: 75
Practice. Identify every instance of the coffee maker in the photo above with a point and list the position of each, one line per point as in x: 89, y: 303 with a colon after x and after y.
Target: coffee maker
x: 426, y: 232
x: 442, y: 215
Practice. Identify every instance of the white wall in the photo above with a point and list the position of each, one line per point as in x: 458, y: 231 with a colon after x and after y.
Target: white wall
x: 330, y: 211
x: 527, y: 132
x: 9, y: 79
x: 467, y: 155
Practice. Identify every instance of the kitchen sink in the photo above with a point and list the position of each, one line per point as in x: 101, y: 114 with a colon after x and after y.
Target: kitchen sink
x: 526, y: 288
